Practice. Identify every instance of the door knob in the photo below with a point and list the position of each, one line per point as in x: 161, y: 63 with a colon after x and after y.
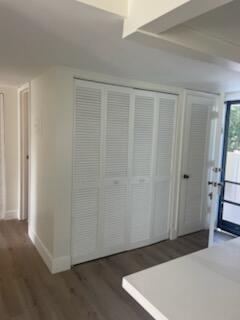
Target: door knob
x: 186, y: 176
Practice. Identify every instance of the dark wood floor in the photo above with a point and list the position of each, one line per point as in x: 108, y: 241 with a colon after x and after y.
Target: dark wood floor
x: 89, y: 291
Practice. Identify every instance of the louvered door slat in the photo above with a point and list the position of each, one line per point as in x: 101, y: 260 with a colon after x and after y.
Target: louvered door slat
x: 84, y: 222
x: 86, y: 135
x: 114, y: 218
x: 140, y: 213
x: 167, y: 122
x: 161, y: 210
x: 143, y: 135
x: 117, y: 132
x: 142, y: 162
x: 164, y: 162
x: 196, y: 156
x: 116, y: 170
x: 86, y: 170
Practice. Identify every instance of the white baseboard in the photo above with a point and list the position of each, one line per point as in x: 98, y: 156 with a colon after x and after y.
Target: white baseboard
x: 54, y: 265
x: 42, y: 250
x: 10, y: 215
x: 61, y: 264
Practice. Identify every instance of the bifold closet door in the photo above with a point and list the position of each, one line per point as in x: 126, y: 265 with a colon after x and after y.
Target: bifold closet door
x: 122, y: 169
x: 86, y: 170
x: 163, y: 175
x: 116, y: 158
x: 142, y: 168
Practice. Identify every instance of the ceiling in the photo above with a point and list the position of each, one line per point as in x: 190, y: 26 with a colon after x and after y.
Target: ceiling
x: 35, y: 35
x: 221, y: 23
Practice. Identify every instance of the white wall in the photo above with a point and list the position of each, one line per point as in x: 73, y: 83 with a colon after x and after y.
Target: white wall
x: 11, y: 150
x: 51, y: 165
x: 43, y: 162
x: 62, y: 221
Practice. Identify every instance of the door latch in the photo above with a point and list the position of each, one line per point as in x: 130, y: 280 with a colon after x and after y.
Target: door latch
x: 210, y: 195
x: 220, y: 186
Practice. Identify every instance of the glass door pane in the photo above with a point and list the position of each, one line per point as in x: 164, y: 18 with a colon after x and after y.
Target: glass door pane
x: 229, y: 208
x: 231, y: 213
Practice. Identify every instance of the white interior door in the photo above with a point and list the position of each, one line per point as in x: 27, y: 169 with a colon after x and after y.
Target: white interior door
x: 86, y: 170
x: 116, y: 170
x: 197, y: 162
x: 142, y: 168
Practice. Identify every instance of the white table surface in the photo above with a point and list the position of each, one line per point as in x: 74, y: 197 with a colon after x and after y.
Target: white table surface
x: 201, y: 286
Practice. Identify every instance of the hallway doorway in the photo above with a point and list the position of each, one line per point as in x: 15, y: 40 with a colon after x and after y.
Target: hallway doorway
x: 24, y: 152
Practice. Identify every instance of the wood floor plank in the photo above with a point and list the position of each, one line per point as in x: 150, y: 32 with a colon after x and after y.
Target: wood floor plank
x: 90, y: 291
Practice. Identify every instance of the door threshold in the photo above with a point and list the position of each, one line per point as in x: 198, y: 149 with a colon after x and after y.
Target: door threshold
x: 226, y: 232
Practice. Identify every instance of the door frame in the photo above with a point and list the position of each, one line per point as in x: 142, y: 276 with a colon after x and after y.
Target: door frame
x: 218, y: 162
x: 21, y: 170
x: 2, y: 156
x: 226, y: 226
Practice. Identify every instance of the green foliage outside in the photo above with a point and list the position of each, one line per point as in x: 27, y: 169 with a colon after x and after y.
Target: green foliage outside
x: 234, y: 129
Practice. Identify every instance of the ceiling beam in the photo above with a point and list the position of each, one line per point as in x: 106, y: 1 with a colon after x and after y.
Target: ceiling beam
x: 160, y: 15
x: 193, y: 44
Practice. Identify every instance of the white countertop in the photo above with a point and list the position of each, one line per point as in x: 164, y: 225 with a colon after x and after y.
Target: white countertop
x: 201, y: 286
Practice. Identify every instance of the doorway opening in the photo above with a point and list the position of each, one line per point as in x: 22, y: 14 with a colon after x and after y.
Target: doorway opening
x: 24, y: 152
x: 229, y: 202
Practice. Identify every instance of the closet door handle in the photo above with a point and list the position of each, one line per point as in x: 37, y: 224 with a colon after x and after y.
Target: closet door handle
x: 186, y: 176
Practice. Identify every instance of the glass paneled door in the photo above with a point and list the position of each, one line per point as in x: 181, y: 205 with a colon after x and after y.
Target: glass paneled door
x: 229, y: 206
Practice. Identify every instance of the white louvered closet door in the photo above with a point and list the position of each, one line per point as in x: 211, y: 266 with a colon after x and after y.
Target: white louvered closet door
x: 197, y: 139
x: 116, y: 159
x: 166, y: 123
x: 142, y: 168
x: 86, y: 170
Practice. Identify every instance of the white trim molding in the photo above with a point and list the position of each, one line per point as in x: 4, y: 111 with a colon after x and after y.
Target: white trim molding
x: 23, y: 88
x: 2, y: 159
x: 232, y: 96
x: 54, y: 265
x: 61, y: 264
x: 10, y: 215
x: 41, y: 248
